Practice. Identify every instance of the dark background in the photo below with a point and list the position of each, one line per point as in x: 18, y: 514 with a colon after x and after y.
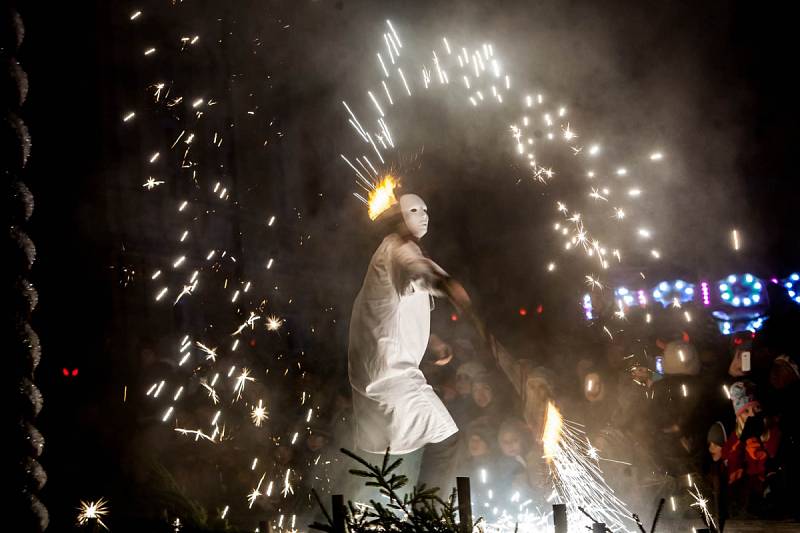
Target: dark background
x: 708, y: 83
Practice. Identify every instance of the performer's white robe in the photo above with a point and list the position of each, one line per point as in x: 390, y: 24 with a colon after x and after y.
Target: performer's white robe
x: 389, y: 328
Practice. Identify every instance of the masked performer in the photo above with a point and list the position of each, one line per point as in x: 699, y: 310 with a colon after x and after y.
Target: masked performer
x: 394, y: 406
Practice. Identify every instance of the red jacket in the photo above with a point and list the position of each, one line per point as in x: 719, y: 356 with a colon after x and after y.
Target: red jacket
x: 750, y: 459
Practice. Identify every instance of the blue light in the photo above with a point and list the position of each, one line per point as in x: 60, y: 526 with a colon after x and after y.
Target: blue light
x: 723, y: 286
x: 689, y: 290
x: 679, y: 284
x: 797, y: 299
x: 746, y: 302
x: 795, y: 277
x: 757, y: 286
x: 656, y: 294
x: 736, y: 301
x: 748, y: 278
x: 664, y: 286
x: 756, y: 298
x: 622, y: 291
x: 731, y: 279
x: 791, y: 294
x: 788, y: 285
x: 726, y: 296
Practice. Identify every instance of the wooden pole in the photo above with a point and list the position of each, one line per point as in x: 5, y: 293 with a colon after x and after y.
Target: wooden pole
x: 337, y: 510
x: 464, y: 504
x: 560, y: 517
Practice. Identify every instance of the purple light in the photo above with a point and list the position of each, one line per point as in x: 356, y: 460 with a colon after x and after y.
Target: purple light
x: 587, y: 306
x: 774, y: 280
x: 642, y: 298
x: 706, y: 297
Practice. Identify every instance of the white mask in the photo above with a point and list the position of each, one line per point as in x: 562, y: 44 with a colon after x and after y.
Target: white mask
x: 415, y: 214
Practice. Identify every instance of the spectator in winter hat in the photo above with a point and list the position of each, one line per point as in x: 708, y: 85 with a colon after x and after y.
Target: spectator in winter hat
x: 716, y: 440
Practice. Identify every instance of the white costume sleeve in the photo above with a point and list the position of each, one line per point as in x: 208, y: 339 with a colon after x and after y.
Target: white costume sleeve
x: 410, y: 267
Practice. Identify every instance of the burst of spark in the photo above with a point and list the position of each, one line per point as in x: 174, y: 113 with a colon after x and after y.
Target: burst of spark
x: 167, y: 414
x: 735, y: 237
x: 161, y: 293
x: 187, y: 290
x: 702, y: 503
x: 271, y: 220
x: 255, y: 493
x: 656, y: 156
x: 274, y: 323
x: 619, y: 213
x: 596, y: 195
x: 622, y: 171
x: 212, y: 393
x: 593, y: 282
x: 258, y: 414
x: 250, y: 322
x: 241, y: 381
x: 211, y: 353
x: 727, y: 391
x: 569, y: 134
x: 149, y: 51
x: 644, y: 233
x: 154, y: 157
x: 198, y: 434
x: 655, y: 253
x: 634, y: 192
x: 551, y: 267
x: 135, y: 15
x: 151, y: 183
x: 93, y: 510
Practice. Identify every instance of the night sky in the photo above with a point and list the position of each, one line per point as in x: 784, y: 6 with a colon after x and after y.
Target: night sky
x: 708, y: 83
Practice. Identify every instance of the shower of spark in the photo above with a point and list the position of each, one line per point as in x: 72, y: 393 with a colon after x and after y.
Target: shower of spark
x: 577, y: 478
